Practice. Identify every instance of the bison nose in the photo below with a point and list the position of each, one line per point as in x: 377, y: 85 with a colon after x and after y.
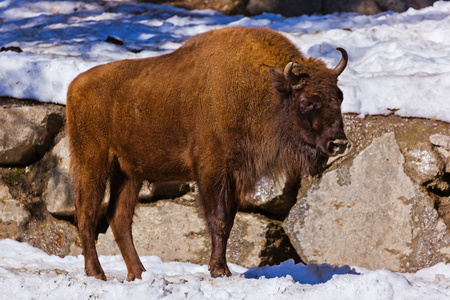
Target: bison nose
x: 337, y: 147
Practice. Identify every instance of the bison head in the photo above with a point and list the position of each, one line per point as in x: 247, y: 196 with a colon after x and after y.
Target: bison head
x: 310, y: 105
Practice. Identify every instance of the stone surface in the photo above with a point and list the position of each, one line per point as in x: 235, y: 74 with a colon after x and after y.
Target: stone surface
x: 161, y: 190
x: 13, y: 216
x: 370, y: 7
x: 177, y: 232
x: 28, y: 221
x: 290, y: 8
x: 374, y: 210
x: 274, y: 198
x: 27, y: 132
x: 423, y: 163
x: 224, y: 6
x: 442, y: 144
x: 55, y: 237
x: 58, y: 194
x: 385, y: 205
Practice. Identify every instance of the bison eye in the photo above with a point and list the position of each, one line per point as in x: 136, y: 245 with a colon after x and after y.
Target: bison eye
x: 306, y: 106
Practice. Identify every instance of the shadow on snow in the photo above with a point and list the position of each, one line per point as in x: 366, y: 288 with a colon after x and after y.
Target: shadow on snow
x: 305, y: 274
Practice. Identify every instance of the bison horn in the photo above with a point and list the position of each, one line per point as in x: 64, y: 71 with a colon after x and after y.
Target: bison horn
x: 290, y: 76
x: 343, y: 63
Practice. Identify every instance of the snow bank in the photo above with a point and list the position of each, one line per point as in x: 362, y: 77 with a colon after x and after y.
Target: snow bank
x: 29, y: 273
x: 398, y: 61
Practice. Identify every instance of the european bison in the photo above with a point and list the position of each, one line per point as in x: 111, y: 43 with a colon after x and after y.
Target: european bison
x: 226, y: 108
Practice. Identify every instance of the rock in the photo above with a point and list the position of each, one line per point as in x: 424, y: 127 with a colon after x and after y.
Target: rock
x: 289, y: 8
x: 274, y: 198
x: 153, y: 224
x: 11, y: 48
x: 224, y: 6
x: 440, y: 140
x: 28, y: 221
x: 14, y: 217
x: 423, y: 163
x: 27, y: 132
x: 358, y: 199
x: 442, y: 143
x: 370, y: 7
x: 177, y: 232
x: 58, y: 194
x: 55, y: 237
x: 161, y: 190
x: 376, y: 208
x: 285, y: 7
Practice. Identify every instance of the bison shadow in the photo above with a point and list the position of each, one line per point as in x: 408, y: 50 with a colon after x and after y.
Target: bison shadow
x: 304, y: 274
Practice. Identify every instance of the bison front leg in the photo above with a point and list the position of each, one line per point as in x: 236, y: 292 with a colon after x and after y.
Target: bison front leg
x: 220, y: 204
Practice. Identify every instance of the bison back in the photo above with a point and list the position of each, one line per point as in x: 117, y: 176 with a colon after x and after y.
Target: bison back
x: 159, y: 116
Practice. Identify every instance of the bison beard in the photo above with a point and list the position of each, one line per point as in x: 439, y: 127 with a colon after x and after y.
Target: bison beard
x: 225, y: 109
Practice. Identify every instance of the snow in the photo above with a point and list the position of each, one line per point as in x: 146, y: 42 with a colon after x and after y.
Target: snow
x: 398, y: 61
x: 29, y: 273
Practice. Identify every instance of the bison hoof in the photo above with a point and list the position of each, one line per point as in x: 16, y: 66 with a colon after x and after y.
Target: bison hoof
x: 220, y: 272
x: 135, y: 273
x: 100, y: 276
x: 132, y: 277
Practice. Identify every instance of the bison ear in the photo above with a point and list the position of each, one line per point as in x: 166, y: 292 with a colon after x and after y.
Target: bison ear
x: 279, y: 82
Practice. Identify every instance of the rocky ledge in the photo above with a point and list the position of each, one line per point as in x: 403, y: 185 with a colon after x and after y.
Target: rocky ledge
x: 385, y: 204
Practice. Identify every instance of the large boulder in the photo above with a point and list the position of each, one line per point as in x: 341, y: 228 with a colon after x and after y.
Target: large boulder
x: 273, y: 198
x: 58, y: 193
x: 55, y: 237
x: 26, y: 219
x: 290, y: 8
x: 27, y: 131
x: 376, y: 208
x: 14, y: 217
x: 177, y: 232
x: 442, y: 144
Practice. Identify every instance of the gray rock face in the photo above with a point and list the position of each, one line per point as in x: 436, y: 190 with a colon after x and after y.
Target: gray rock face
x: 58, y: 194
x: 273, y: 198
x: 355, y: 216
x: 369, y: 7
x: 442, y: 142
x: 55, y: 237
x: 177, y: 232
x: 14, y: 217
x: 165, y: 229
x: 27, y: 132
x: 385, y: 205
x: 36, y: 227
x: 300, y: 7
x: 290, y: 8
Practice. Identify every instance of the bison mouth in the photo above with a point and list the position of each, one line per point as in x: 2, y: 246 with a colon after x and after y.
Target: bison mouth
x: 336, y: 147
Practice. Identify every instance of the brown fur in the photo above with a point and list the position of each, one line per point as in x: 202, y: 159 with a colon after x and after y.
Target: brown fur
x: 218, y: 110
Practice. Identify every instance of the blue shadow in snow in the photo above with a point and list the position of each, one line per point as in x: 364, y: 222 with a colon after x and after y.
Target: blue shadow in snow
x: 305, y: 274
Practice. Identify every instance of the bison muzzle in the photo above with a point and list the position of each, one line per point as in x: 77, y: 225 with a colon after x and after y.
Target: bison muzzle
x: 227, y: 108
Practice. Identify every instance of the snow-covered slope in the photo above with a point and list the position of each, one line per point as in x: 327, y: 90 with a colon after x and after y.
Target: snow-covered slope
x: 398, y: 61
x: 29, y: 273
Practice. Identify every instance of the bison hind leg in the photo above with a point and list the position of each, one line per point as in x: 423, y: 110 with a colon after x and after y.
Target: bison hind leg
x: 90, y: 181
x: 123, y: 199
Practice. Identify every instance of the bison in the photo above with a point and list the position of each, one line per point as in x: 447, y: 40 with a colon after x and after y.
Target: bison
x: 227, y: 108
